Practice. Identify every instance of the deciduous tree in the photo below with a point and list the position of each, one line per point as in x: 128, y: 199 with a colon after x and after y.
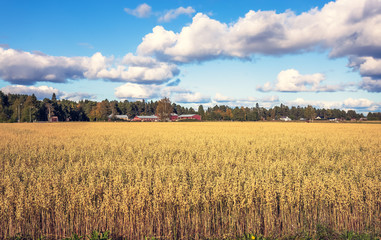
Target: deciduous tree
x: 164, y: 109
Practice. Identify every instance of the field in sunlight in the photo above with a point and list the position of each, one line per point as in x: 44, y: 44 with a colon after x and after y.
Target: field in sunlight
x: 188, y: 180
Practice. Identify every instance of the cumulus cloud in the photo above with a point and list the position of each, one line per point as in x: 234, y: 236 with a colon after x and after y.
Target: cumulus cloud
x: 357, y: 103
x: 159, y: 74
x: 42, y: 92
x: 28, y: 68
x: 367, y: 66
x: 138, y: 69
x: 137, y: 91
x: 174, y: 13
x: 370, y: 84
x: 141, y: 11
x: 370, y: 69
x: 344, y: 26
x: 291, y: 80
x: 19, y: 67
x: 191, y: 98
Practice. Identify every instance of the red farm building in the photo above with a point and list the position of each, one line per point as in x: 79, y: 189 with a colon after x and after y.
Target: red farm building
x: 174, y: 117
x: 152, y: 118
x: 189, y: 116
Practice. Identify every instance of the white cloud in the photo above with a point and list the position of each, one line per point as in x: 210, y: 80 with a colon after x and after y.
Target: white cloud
x: 360, y: 105
x: 191, y: 98
x: 151, y: 91
x: 291, y: 80
x: 174, y: 13
x: 344, y: 27
x: 370, y: 84
x: 77, y: 96
x: 27, y: 68
x: 157, y: 42
x: 141, y: 11
x: 137, y: 91
x: 367, y: 66
x: 42, y: 92
x: 199, y: 41
x: 221, y: 98
x: 133, y: 60
x: 160, y: 74
x: 19, y: 67
x: 357, y: 103
x: 370, y: 69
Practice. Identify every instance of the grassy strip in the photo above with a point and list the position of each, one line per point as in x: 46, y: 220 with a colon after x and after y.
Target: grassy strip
x: 321, y: 233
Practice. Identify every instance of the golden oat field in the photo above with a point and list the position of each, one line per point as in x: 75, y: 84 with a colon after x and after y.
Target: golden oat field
x: 194, y: 180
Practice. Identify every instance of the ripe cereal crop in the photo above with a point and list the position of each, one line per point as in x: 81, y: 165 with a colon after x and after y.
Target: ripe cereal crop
x: 196, y: 180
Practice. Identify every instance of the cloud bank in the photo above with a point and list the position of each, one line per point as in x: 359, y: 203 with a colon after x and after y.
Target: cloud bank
x: 346, y: 28
x: 135, y: 91
x: 20, y: 67
x: 360, y: 104
x: 42, y: 92
x: 291, y: 80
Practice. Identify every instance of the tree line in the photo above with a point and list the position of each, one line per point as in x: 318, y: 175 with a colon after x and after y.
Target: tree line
x: 27, y: 108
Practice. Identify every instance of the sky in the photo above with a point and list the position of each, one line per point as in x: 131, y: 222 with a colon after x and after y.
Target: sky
x: 211, y: 52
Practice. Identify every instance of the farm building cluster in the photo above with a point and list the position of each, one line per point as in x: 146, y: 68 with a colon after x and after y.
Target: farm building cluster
x: 153, y: 118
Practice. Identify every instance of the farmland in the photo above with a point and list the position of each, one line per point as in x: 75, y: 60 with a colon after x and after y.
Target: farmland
x: 188, y: 180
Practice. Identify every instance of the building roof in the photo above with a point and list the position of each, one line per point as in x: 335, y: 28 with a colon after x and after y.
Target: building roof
x: 188, y: 115
x: 145, y: 117
x: 117, y: 115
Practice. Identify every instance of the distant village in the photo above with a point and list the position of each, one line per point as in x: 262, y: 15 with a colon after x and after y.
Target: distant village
x: 154, y: 118
x: 195, y: 117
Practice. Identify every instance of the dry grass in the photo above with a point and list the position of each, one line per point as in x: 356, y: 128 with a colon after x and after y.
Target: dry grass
x: 188, y: 180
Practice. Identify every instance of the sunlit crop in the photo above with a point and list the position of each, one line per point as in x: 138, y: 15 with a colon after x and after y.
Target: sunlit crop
x: 188, y: 180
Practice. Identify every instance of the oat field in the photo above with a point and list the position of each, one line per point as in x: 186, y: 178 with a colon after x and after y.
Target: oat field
x: 198, y: 180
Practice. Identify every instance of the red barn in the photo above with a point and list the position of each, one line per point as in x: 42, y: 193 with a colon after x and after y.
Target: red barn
x: 53, y: 119
x: 190, y: 116
x: 145, y: 119
x: 174, y: 117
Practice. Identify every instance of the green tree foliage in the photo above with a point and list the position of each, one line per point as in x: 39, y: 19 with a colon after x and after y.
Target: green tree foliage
x: 374, y: 116
x: 201, y: 111
x: 309, y: 112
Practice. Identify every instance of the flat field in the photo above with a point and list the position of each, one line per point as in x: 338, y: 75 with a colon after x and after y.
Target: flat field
x: 188, y: 180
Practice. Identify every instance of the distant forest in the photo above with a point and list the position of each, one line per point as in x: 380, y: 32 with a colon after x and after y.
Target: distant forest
x: 27, y: 108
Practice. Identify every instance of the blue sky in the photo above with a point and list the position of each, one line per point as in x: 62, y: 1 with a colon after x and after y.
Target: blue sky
x: 322, y: 53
